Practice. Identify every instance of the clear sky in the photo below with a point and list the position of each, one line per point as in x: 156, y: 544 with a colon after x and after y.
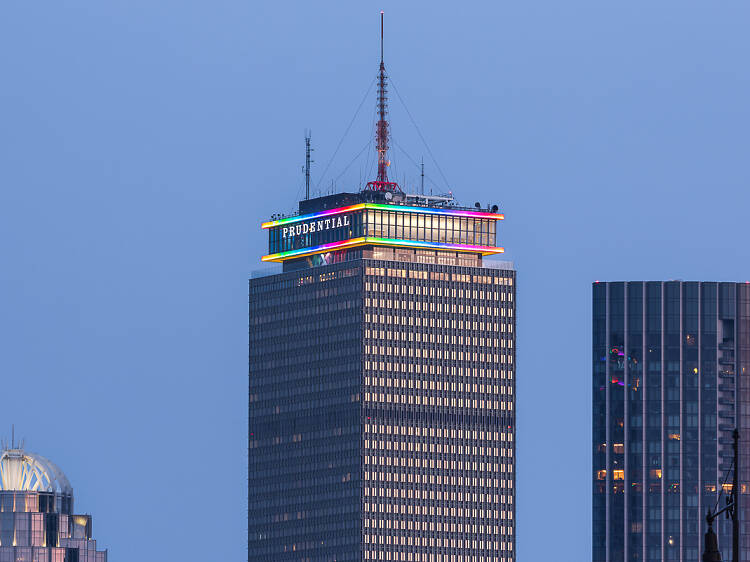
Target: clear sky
x: 142, y: 143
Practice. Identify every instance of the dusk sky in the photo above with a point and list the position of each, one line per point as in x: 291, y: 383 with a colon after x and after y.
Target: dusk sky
x: 143, y: 142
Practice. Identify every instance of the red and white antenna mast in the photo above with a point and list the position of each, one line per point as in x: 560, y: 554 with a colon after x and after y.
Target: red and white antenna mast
x: 381, y: 128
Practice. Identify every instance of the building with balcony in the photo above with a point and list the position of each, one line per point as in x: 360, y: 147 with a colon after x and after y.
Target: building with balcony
x: 670, y: 383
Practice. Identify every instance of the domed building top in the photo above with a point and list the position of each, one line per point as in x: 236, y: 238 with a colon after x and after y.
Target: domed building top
x: 28, y: 472
x: 37, y: 520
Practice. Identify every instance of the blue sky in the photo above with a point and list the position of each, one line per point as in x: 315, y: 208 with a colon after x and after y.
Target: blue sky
x: 142, y: 144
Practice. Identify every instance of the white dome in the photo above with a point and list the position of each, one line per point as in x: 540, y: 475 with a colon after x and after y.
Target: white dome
x: 29, y: 472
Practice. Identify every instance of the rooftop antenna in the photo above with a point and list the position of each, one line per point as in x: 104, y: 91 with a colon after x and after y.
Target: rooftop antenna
x: 13, y: 436
x: 381, y: 128
x: 422, y: 184
x: 308, y: 150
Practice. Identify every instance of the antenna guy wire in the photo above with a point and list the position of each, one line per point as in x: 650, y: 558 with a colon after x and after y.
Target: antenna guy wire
x: 420, y: 134
x: 367, y: 93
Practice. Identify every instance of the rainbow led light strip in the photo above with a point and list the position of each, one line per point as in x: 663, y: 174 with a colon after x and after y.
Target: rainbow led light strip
x: 395, y: 208
x: 369, y: 240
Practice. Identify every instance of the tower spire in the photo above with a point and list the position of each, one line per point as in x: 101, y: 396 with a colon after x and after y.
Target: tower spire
x: 381, y: 39
x: 382, y: 126
x: 382, y: 132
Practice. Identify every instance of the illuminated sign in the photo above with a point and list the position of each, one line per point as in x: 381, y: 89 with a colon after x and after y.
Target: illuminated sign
x: 314, y: 226
x: 388, y: 225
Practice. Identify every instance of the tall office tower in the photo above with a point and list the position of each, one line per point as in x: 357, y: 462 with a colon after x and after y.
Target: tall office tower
x: 670, y: 384
x: 37, y: 522
x: 382, y: 381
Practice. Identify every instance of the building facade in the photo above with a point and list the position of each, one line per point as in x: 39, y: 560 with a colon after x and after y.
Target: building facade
x: 382, y: 378
x: 670, y: 384
x: 37, y: 520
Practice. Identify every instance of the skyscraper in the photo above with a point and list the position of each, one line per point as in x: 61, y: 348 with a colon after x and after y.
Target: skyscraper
x: 37, y: 521
x: 382, y: 378
x: 670, y: 384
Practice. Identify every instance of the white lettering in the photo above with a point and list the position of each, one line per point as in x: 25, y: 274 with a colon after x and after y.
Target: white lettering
x: 315, y: 226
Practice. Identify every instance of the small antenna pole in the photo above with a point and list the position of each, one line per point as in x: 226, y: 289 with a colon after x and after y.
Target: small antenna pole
x: 381, y: 35
x: 13, y: 436
x: 308, y: 150
x: 422, y: 189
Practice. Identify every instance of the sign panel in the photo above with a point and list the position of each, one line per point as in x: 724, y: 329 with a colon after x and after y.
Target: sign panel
x: 385, y: 225
x: 314, y: 226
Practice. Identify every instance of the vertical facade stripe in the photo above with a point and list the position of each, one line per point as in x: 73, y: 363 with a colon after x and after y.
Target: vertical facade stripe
x: 608, y: 447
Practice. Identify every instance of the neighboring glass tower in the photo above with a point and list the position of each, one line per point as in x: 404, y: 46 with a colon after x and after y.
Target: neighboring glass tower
x: 382, y: 385
x: 670, y: 382
x: 37, y: 523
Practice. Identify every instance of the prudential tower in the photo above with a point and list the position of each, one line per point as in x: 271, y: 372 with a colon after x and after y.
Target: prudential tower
x: 382, y: 379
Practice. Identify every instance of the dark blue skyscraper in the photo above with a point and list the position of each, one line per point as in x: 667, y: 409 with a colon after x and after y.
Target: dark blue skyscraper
x: 382, y: 385
x: 382, y: 380
x: 671, y: 366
